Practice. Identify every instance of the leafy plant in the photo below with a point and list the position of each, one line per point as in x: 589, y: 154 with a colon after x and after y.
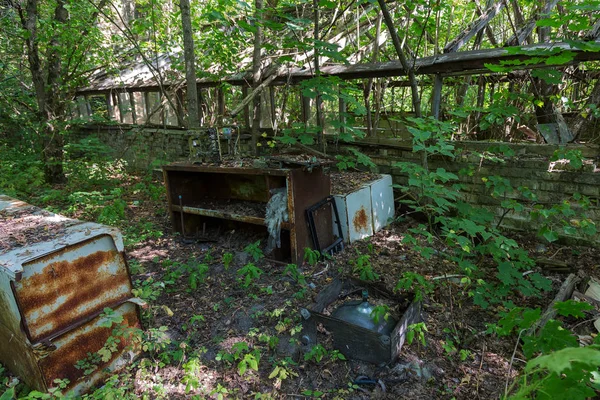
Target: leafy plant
x: 362, y: 266
x: 241, y: 353
x: 282, y: 371
x: 311, y: 256
x: 416, y: 331
x: 292, y: 271
x: 249, y: 274
x: 191, y: 371
x: 316, y: 353
x: 416, y: 283
x: 254, y: 250
x: 148, y: 289
x: 227, y: 259
x: 380, y: 312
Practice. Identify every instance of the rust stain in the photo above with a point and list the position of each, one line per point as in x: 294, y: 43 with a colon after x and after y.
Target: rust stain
x: 76, y: 345
x: 360, y: 220
x: 65, y: 290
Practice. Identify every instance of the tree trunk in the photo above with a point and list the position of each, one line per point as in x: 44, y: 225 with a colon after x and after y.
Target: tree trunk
x: 414, y: 88
x: 190, y: 65
x: 256, y: 75
x: 54, y: 104
x: 319, y: 100
x: 584, y: 120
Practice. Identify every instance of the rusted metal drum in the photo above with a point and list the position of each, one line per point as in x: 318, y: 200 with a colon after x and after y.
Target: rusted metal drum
x: 57, y: 275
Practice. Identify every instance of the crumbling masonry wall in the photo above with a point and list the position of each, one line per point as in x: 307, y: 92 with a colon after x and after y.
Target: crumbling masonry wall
x: 529, y: 167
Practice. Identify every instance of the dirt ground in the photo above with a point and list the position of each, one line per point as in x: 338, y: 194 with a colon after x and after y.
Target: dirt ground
x: 459, y: 360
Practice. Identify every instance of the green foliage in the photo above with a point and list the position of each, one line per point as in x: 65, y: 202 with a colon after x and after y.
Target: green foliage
x: 311, y: 256
x: 282, y: 371
x: 194, y: 270
x: 380, y: 312
x: 316, y: 354
x: 416, y: 283
x: 227, y: 259
x: 21, y: 172
x: 416, y: 331
x: 345, y: 162
x: 254, y: 250
x: 574, y: 157
x: 240, y: 352
x: 573, y: 308
x: 362, y: 266
x: 292, y: 271
x: 249, y: 274
x: 148, y: 289
x: 568, y: 218
x: 466, y: 230
x: 568, y: 373
x: 191, y: 379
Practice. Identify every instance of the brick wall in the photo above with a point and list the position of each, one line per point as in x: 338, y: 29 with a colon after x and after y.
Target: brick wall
x: 529, y: 167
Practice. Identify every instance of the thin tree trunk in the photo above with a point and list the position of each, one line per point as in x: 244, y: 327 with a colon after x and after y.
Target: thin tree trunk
x: 582, y: 121
x: 190, y: 66
x: 256, y: 75
x: 414, y: 88
x: 369, y: 84
x: 319, y: 100
x: 54, y: 103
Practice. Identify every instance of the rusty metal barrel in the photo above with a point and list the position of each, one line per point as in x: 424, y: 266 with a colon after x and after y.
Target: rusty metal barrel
x: 57, y: 275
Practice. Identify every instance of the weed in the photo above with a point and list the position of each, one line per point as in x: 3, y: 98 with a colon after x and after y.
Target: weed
x: 380, y: 312
x: 282, y: 371
x: 254, y: 250
x: 292, y: 271
x: 148, y: 289
x: 416, y: 331
x: 311, y: 256
x: 190, y: 378
x: 362, y: 267
x: 249, y: 274
x: 416, y: 283
x: 247, y: 359
x: 316, y: 353
x: 227, y: 259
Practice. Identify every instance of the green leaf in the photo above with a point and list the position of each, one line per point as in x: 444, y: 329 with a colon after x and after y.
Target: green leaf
x: 572, y: 307
x: 274, y: 373
x: 551, y: 76
x: 9, y: 394
x: 562, y: 360
x: 562, y: 58
x: 549, y: 22
x: 549, y: 234
x: 287, y: 139
x: 242, y: 367
x: 551, y: 338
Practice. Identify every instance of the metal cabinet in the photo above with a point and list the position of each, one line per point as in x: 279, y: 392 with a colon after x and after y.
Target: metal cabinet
x: 57, y: 275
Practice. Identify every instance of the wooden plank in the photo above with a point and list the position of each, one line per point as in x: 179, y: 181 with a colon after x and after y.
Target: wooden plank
x: 564, y: 293
x: 523, y: 32
x: 132, y: 105
x: 449, y: 64
x: 474, y: 27
x: 437, y: 96
x: 411, y: 316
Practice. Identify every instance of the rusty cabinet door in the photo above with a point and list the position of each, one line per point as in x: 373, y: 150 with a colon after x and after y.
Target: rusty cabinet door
x: 70, y: 286
x: 77, y: 344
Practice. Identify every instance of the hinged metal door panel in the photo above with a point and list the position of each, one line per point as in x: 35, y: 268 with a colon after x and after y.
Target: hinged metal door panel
x: 67, y: 287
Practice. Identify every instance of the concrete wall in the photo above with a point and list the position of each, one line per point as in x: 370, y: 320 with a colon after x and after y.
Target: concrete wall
x: 529, y: 167
x: 143, y: 148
